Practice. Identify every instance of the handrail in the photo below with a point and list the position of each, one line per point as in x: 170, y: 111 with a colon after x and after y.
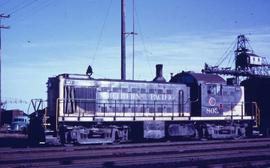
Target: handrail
x: 117, y: 106
x: 257, y: 114
x: 141, y: 107
x: 45, y: 122
x: 56, y: 114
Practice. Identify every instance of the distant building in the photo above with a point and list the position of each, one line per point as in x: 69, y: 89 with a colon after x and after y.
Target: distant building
x: 7, y: 116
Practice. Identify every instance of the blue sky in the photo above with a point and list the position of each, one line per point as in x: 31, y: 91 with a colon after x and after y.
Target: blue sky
x: 50, y: 37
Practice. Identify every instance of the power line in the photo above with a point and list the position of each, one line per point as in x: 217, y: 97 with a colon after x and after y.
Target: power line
x: 143, y: 41
x: 42, y: 5
x: 231, y: 58
x: 22, y: 6
x: 226, y: 53
x: 101, y: 32
x: 15, y: 101
x: 4, y: 3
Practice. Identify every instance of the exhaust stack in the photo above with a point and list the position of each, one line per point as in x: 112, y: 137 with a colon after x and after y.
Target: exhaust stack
x: 159, y: 74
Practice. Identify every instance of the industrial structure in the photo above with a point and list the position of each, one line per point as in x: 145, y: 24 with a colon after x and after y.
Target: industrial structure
x: 247, y: 63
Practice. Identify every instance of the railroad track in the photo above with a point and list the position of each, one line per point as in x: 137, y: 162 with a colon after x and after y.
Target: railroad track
x: 254, y: 152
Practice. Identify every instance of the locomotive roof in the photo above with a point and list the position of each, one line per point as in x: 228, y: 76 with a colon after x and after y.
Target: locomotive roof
x: 192, y: 77
x: 86, y: 77
x: 208, y: 78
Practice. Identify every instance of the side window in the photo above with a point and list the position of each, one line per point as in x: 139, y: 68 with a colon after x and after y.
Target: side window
x: 169, y: 91
x: 211, y: 89
x: 115, y: 89
x: 124, y: 90
x: 143, y: 90
x: 105, y: 89
x: 151, y: 90
x: 160, y: 91
x: 214, y: 89
x: 219, y: 89
x: 135, y: 90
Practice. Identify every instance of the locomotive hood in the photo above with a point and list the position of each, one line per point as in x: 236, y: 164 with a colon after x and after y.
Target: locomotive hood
x: 192, y: 78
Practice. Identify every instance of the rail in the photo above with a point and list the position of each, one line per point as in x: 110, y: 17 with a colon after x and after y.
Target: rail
x: 206, y: 153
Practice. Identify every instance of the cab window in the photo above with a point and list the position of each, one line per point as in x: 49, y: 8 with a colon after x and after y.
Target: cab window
x: 214, y: 89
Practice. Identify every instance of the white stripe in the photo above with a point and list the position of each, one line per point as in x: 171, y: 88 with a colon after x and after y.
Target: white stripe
x: 221, y: 118
x: 143, y: 118
x: 87, y: 115
x: 207, y: 118
x: 72, y: 115
x: 86, y: 118
x: 163, y: 118
x: 127, y: 114
x: 181, y: 118
x: 247, y: 117
x: 141, y: 114
x: 109, y: 114
x: 104, y: 119
x: 108, y: 119
x: 70, y: 118
x: 124, y: 119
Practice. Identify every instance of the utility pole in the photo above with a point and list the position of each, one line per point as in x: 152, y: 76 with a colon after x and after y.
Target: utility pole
x: 133, y: 38
x: 124, y: 34
x: 2, y: 16
x: 123, y: 40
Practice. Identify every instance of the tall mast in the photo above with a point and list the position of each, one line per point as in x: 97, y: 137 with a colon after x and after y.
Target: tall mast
x: 1, y: 27
x: 123, y: 41
x: 133, y: 38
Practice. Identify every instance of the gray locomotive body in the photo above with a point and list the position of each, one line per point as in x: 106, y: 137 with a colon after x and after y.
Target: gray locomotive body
x: 187, y: 106
x: 79, y: 98
x: 212, y: 97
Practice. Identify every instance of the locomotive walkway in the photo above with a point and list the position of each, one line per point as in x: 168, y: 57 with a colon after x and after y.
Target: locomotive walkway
x: 219, y: 153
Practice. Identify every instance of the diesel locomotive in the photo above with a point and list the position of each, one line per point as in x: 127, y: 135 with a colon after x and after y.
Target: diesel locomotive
x: 190, y: 105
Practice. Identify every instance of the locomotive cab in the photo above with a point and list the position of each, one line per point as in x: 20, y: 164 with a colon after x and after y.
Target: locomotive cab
x: 217, y: 108
x: 206, y: 93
